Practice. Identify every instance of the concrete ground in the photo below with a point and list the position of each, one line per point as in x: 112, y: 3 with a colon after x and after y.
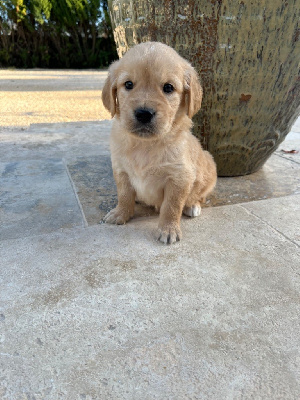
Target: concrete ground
x: 95, y: 311
x: 48, y: 96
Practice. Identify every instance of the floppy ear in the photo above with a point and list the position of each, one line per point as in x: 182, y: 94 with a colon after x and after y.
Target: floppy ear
x: 109, y: 91
x: 194, y: 92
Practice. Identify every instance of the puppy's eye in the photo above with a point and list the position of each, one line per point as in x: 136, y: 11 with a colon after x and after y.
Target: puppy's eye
x: 128, y: 85
x: 168, y: 88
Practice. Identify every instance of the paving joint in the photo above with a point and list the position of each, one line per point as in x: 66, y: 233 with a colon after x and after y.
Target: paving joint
x: 286, y: 158
x: 250, y: 212
x: 84, y: 221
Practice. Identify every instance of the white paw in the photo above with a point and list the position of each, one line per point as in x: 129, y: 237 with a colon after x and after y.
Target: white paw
x: 193, y: 211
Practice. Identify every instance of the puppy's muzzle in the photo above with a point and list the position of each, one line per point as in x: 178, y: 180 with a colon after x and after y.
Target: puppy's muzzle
x: 144, y: 115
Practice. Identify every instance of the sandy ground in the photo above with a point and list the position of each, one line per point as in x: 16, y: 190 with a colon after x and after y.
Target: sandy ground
x: 49, y: 96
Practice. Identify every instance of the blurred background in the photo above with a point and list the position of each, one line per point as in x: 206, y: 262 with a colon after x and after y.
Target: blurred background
x: 55, y: 34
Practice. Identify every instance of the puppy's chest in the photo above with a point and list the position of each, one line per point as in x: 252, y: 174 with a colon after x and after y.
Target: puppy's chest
x: 147, y: 176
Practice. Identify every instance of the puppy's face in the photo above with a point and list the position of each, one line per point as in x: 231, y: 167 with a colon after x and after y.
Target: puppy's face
x: 150, y: 89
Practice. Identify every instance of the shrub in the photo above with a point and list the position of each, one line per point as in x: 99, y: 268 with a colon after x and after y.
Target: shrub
x: 55, y: 34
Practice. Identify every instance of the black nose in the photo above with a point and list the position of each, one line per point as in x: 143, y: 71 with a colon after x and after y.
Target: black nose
x: 144, y: 115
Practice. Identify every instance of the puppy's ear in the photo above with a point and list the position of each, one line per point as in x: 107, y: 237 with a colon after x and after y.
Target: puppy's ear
x: 193, y: 91
x: 109, y: 91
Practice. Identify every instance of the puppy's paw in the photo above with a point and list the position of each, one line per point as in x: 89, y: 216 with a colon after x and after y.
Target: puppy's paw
x: 169, y: 234
x: 116, y: 216
x: 193, y: 211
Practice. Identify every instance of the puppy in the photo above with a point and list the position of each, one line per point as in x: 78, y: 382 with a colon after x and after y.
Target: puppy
x: 153, y: 93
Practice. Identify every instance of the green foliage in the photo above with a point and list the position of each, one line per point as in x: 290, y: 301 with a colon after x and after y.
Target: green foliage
x: 40, y: 9
x: 55, y: 34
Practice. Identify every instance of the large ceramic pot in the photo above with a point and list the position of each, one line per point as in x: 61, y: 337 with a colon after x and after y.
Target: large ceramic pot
x: 247, y: 54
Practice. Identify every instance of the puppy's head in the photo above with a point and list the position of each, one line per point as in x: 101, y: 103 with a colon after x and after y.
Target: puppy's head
x: 150, y: 89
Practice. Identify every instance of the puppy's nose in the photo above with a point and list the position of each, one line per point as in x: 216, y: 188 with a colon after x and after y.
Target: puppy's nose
x: 144, y: 115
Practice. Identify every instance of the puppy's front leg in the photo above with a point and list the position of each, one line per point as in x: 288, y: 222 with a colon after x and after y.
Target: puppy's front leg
x: 170, y: 213
x: 126, y: 200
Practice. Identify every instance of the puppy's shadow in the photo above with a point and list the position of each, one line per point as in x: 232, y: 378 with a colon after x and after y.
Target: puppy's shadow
x: 142, y: 210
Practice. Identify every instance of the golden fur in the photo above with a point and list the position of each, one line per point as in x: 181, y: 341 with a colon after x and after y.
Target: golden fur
x: 159, y: 161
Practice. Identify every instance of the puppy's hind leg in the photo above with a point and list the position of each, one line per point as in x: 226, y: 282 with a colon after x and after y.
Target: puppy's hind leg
x: 193, y: 210
x: 192, y: 207
x: 126, y: 200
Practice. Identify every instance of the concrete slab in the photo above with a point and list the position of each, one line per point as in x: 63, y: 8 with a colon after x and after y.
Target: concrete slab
x: 282, y: 214
x: 36, y: 197
x: 280, y: 176
x: 292, y: 142
x: 108, y: 313
x: 95, y: 186
x: 66, y: 140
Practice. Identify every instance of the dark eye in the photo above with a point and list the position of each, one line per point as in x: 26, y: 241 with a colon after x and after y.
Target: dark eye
x: 129, y: 85
x: 168, y: 88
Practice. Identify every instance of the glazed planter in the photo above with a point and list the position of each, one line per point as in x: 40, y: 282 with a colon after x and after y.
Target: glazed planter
x: 247, y: 55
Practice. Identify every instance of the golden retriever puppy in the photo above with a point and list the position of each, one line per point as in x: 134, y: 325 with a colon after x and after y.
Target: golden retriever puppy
x: 152, y: 93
